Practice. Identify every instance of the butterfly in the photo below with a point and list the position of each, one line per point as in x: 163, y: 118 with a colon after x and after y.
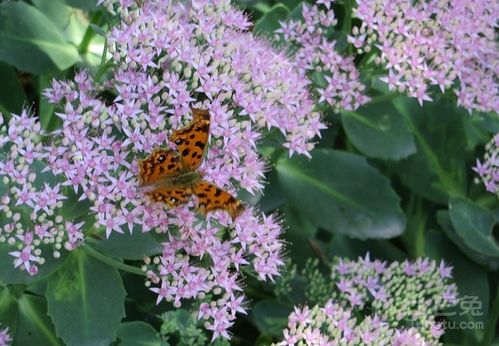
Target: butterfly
x: 173, y: 176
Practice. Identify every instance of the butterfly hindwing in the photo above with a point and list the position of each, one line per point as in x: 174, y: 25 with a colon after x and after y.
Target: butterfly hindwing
x: 191, y: 141
x: 161, y: 163
x: 172, y: 195
x: 210, y: 197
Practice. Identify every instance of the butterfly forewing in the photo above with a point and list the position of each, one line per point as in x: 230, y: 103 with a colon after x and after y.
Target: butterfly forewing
x: 191, y: 141
x: 210, y: 197
x: 160, y: 164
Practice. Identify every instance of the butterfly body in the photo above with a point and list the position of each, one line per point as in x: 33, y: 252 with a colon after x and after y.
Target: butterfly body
x: 185, y: 179
x: 172, y: 175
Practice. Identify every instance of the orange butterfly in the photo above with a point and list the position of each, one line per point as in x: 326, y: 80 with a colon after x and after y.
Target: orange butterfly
x: 174, y: 176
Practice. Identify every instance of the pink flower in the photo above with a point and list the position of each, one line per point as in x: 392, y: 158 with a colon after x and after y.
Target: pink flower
x: 25, y: 258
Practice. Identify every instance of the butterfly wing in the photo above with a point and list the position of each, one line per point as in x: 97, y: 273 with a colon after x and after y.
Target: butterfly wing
x: 161, y: 163
x: 191, y: 140
x: 171, y: 195
x: 210, y: 197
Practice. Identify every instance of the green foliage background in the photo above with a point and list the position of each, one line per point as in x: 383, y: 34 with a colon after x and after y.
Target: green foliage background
x: 391, y: 178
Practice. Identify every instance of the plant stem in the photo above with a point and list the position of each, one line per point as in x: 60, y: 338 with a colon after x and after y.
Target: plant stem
x: 89, y: 33
x: 112, y: 262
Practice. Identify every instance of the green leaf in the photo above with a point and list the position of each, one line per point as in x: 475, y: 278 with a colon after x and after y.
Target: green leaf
x: 70, y: 22
x: 379, y: 131
x: 26, y: 316
x: 479, y: 128
x: 471, y: 281
x: 11, y: 275
x: 299, y: 233
x: 272, y: 197
x: 177, y: 321
x: 34, y: 326
x: 270, y: 21
x: 297, y: 12
x: 86, y: 301
x: 438, y: 169
x: 31, y: 42
x: 137, y: 334
x: 474, y: 224
x: 342, y: 193
x: 445, y: 222
x: 129, y: 246
x: 342, y: 246
x: 74, y: 209
x: 271, y: 317
x: 12, y: 96
x: 88, y: 5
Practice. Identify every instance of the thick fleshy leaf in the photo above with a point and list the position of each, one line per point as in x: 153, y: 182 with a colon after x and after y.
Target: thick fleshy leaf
x: 443, y: 218
x: 70, y: 22
x: 379, y: 131
x: 342, y: 193
x: 12, y: 96
x: 86, y: 301
x: 472, y: 283
x: 474, y: 225
x: 270, y: 21
x: 34, y: 326
x: 300, y: 232
x: 26, y: 316
x: 343, y: 246
x: 30, y: 41
x: 83, y: 4
x: 138, y: 334
x: 129, y: 246
x: 271, y: 317
x: 11, y: 275
x: 438, y: 169
x: 272, y: 197
x: 480, y: 127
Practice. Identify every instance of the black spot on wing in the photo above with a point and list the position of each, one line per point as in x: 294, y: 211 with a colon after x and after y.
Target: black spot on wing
x: 185, y: 152
x: 204, y: 128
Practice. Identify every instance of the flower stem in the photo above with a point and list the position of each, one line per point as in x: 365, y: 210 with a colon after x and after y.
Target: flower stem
x: 89, y: 33
x: 112, y: 262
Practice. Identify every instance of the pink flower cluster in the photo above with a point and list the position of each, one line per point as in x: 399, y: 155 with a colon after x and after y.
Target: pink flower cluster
x: 333, y: 324
x: 202, y: 51
x: 442, y: 43
x: 488, y: 171
x: 31, y: 205
x: 400, y: 294
x: 372, y: 282
x: 339, y: 80
x: 168, y: 57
